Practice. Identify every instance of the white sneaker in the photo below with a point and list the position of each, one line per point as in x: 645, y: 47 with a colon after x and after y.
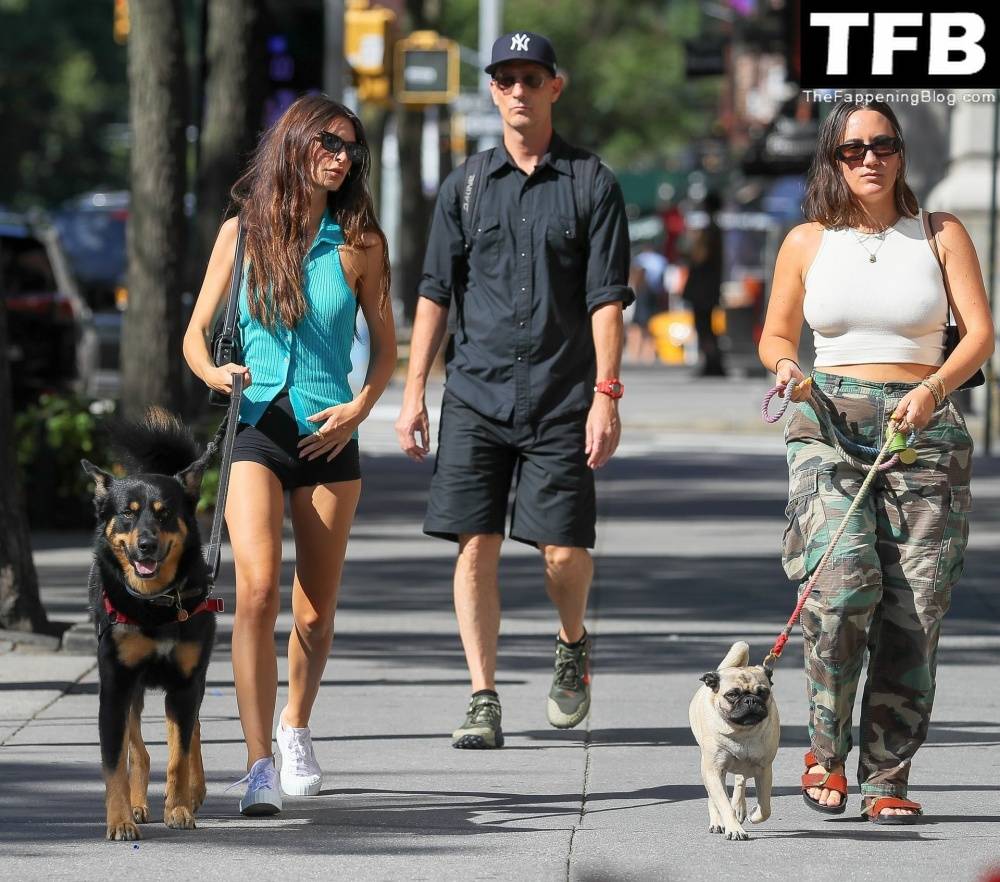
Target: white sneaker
x: 263, y: 796
x: 300, y: 773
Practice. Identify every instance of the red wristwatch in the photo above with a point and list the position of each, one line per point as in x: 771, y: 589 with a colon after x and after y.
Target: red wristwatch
x: 613, y: 388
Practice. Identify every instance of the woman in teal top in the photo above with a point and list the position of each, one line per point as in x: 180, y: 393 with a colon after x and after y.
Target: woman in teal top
x: 314, y: 255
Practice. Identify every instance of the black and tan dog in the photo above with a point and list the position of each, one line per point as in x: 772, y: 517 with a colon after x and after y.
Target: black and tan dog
x: 149, y: 588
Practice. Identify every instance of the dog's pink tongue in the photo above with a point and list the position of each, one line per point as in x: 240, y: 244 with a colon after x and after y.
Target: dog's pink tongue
x: 145, y: 568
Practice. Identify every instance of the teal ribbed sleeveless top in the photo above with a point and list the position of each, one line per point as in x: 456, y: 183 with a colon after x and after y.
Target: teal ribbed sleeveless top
x: 311, y: 360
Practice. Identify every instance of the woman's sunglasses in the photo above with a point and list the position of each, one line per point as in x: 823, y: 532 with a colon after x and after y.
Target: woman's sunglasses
x: 505, y: 82
x: 334, y: 144
x: 852, y: 151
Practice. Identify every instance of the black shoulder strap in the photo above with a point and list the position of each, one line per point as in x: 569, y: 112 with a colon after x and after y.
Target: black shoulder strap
x: 232, y: 305
x: 214, y: 548
x: 927, y: 217
x: 472, y: 190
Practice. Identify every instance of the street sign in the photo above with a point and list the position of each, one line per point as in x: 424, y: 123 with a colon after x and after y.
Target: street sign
x: 426, y: 69
x: 367, y: 38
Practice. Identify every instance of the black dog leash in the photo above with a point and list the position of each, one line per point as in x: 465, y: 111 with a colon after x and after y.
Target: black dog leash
x: 227, y: 433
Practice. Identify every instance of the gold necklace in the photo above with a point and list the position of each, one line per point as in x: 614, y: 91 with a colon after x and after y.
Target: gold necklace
x: 881, y: 236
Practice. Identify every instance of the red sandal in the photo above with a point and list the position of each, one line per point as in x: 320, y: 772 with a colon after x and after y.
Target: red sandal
x: 829, y: 781
x: 873, y: 810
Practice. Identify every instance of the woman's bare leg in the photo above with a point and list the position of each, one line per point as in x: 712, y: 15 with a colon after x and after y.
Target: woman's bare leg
x: 254, y: 514
x: 322, y: 518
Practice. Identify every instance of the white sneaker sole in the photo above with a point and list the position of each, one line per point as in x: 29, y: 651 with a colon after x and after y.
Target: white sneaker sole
x: 302, y: 786
x: 262, y: 802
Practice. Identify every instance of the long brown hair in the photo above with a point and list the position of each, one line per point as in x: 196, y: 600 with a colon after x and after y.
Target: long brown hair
x: 829, y: 200
x: 273, y: 200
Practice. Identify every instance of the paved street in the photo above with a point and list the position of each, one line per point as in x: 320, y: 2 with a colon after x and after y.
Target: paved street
x: 691, y: 515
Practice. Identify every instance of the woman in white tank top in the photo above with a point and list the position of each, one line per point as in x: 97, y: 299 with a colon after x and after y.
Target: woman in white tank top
x: 874, y: 276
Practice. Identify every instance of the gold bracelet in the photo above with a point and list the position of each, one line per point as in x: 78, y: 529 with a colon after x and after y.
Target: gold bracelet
x: 937, y: 389
x: 941, y: 387
x: 935, y: 394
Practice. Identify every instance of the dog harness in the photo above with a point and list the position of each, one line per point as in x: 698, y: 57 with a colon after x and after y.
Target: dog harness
x: 209, y: 604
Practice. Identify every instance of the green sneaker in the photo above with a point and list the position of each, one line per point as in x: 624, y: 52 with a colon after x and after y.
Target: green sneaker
x: 481, y: 729
x: 569, y: 697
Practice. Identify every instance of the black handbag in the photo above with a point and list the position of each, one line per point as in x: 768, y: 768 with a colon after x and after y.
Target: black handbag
x: 226, y: 341
x: 951, y: 338
x: 951, y: 334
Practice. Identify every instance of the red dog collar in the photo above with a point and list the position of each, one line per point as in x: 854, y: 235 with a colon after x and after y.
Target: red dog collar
x: 209, y: 604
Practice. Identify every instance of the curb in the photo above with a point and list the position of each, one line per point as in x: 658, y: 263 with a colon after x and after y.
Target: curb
x: 30, y: 639
x: 80, y: 639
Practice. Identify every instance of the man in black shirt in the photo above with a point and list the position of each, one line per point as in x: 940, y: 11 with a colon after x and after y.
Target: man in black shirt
x: 529, y: 248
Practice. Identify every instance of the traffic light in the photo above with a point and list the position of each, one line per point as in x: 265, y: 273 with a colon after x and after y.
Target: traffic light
x: 121, y: 25
x: 367, y: 40
x: 426, y: 69
x: 375, y: 90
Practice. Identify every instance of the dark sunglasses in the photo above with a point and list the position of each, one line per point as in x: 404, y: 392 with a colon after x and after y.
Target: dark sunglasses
x: 334, y: 144
x: 855, y: 150
x: 505, y: 82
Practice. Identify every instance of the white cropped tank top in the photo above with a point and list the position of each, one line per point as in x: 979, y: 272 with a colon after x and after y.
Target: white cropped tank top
x: 892, y: 309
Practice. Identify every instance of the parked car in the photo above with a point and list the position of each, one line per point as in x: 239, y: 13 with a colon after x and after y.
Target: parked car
x: 51, y: 339
x: 92, y: 230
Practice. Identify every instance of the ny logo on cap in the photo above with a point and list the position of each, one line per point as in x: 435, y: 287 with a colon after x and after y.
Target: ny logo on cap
x: 519, y: 42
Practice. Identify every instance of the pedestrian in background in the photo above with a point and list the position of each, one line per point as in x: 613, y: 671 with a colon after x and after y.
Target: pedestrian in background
x: 315, y: 254
x: 646, y: 279
x: 529, y: 244
x: 703, y: 289
x: 875, y: 277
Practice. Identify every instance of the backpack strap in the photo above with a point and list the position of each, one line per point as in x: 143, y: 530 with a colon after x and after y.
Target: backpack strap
x: 584, y: 179
x: 469, y: 197
x: 472, y: 190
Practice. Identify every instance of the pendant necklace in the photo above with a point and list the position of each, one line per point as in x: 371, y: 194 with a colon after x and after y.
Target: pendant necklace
x: 881, y: 236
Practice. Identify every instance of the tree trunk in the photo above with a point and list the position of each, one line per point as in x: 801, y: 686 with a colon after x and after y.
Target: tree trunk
x: 20, y: 607
x: 151, y: 334
x: 375, y: 119
x: 235, y: 85
x: 413, y: 210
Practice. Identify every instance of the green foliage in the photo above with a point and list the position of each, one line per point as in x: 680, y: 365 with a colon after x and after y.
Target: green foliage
x: 62, y: 83
x: 626, y: 95
x: 52, y: 436
x: 209, y: 488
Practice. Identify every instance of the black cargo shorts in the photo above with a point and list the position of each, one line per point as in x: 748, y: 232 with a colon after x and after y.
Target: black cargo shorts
x: 478, y: 460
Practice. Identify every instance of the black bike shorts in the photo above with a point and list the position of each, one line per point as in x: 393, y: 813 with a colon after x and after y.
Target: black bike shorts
x: 479, y: 458
x: 274, y: 441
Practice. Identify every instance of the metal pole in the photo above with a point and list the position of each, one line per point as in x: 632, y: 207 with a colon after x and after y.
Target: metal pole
x: 490, y: 15
x: 333, y: 49
x: 988, y: 427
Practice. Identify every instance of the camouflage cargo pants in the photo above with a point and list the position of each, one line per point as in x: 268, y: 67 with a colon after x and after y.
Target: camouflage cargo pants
x: 888, y: 583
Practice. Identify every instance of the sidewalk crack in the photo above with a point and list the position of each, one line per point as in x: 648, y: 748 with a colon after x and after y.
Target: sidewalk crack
x: 45, y: 707
x: 595, y: 604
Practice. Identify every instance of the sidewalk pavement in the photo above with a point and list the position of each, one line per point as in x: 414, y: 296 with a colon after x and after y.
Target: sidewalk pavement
x: 687, y: 562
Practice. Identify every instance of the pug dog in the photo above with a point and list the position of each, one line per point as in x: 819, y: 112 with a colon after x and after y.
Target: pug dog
x: 735, y: 722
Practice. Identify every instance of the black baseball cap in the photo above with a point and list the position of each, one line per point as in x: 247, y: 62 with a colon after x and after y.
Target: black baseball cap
x: 523, y: 46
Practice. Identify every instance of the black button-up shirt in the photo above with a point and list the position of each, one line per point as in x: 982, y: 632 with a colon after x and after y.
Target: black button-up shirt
x: 523, y: 348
